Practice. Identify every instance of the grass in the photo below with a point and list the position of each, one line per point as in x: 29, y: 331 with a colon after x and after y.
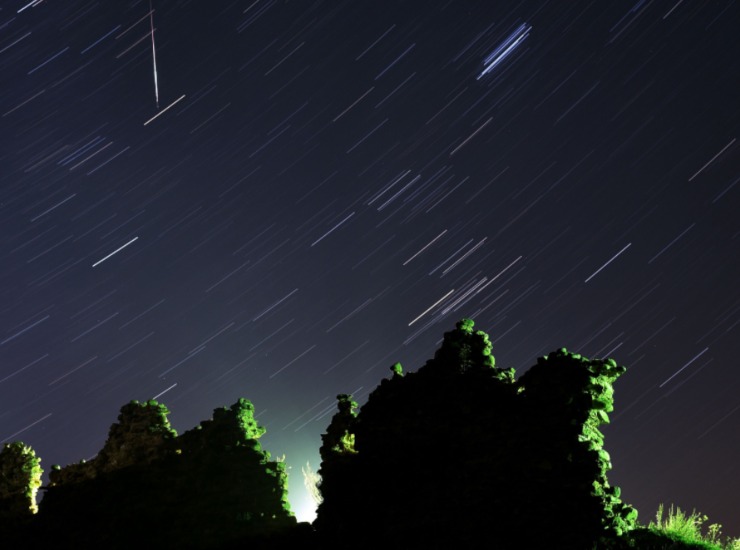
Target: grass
x: 677, y: 531
x: 683, y: 528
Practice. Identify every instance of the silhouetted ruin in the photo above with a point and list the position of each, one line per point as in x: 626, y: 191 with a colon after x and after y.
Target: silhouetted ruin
x: 460, y: 452
x: 455, y: 455
x: 211, y: 486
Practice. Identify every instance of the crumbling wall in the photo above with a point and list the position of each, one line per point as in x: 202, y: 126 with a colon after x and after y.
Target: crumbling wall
x: 212, y: 485
x: 140, y: 436
x: 460, y: 451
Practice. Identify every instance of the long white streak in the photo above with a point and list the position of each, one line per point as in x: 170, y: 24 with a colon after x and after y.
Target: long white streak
x: 502, y: 56
x: 715, y: 198
x: 166, y: 109
x: 154, y: 54
x: 73, y: 370
x: 52, y: 58
x: 506, y: 332
x: 350, y: 314
x: 227, y: 276
x: 12, y: 337
x: 53, y: 207
x: 343, y: 359
x: 503, y: 271
x: 114, y: 252
x: 353, y: 104
x: 99, y: 40
x: 465, y: 295
x: 26, y: 428
x: 471, y: 136
x: 132, y: 46
x: 83, y: 161
x: 26, y: 6
x: 96, y: 325
x: 131, y: 346
x: 468, y: 253
x: 181, y: 361
x: 140, y: 315
x: 666, y: 247
x: 332, y: 229
x: 397, y: 193
x: 289, y: 424
x: 505, y: 48
x: 718, y: 421
x: 427, y: 246
x: 673, y: 8
x: 16, y: 41
x: 702, y: 352
x: 430, y: 308
x: 273, y: 306
x: 32, y: 363
x: 132, y: 26
x: 99, y: 166
x: 274, y: 374
x: 284, y: 58
x: 712, y: 159
x: 607, y: 263
x: 34, y: 96
x: 203, y: 344
x: 373, y: 44
x: 370, y: 133
x: 388, y: 187
x: 266, y: 338
x: 498, y: 51
x: 165, y: 391
x: 449, y: 258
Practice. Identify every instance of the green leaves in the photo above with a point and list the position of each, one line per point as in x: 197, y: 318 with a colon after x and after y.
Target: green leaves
x: 20, y: 478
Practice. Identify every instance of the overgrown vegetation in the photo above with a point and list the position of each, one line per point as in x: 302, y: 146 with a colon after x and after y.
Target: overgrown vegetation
x: 433, y: 452
x: 689, y: 528
x: 20, y: 478
x: 455, y: 453
x: 211, y: 486
x: 461, y: 451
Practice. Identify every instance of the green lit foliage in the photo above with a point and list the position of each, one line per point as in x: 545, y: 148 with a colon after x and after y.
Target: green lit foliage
x: 465, y: 435
x: 578, y: 392
x: 20, y: 478
x: 141, y: 436
x: 680, y: 527
x: 339, y: 438
x: 338, y: 454
x: 397, y: 369
x: 465, y: 349
x: 231, y: 472
x: 208, y: 487
x: 230, y: 427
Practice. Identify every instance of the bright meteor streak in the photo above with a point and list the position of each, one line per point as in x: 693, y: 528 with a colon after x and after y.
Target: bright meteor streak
x: 154, y: 55
x: 115, y: 252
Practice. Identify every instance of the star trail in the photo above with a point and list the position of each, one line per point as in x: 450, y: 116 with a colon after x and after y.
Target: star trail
x: 318, y: 190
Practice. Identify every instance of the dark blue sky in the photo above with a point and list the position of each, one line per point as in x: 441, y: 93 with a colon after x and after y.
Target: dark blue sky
x: 318, y: 175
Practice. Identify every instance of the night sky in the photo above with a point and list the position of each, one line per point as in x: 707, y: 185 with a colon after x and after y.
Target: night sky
x: 326, y: 187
